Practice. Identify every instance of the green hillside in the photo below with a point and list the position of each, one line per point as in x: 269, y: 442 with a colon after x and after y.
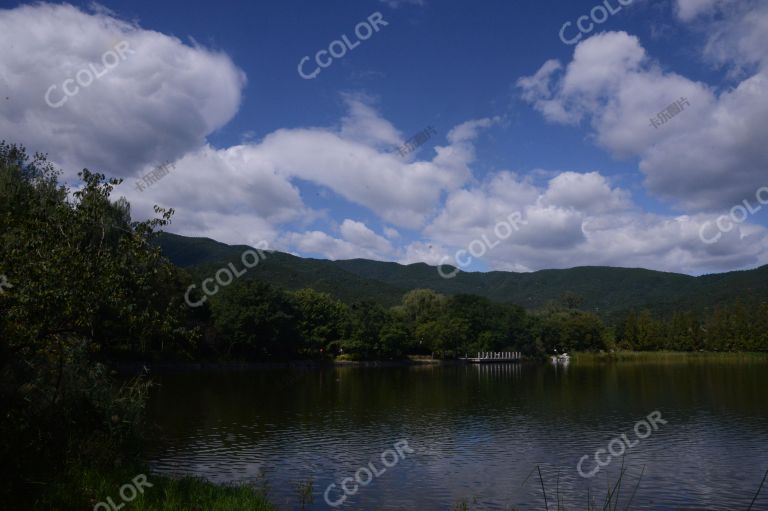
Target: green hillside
x: 605, y: 290
x: 203, y: 256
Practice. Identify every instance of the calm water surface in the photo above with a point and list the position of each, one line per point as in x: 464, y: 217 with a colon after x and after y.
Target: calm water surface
x: 477, y: 432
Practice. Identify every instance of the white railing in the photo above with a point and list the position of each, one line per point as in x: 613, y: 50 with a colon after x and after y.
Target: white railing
x: 498, y: 355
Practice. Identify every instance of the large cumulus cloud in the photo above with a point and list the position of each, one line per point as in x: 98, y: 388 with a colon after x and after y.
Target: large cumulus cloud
x: 157, y: 103
x: 712, y: 155
x: 576, y: 219
x: 163, y: 100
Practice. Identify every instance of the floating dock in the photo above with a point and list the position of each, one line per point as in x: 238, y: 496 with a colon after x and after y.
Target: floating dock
x: 494, y: 357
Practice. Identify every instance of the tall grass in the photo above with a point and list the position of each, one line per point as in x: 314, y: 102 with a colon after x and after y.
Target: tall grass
x: 671, y: 357
x: 84, y: 488
x: 611, y: 501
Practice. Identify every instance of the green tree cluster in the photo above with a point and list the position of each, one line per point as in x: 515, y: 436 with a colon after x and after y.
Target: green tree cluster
x: 85, y: 284
x: 255, y: 320
x: 729, y: 327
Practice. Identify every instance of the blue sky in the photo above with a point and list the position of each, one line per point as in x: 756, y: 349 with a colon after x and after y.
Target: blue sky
x: 525, y: 123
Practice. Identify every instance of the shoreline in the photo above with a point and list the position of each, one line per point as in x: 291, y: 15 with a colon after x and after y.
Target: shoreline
x: 172, y: 367
x: 579, y: 357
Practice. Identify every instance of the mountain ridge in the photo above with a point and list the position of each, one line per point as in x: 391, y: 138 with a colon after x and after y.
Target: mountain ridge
x: 604, y: 289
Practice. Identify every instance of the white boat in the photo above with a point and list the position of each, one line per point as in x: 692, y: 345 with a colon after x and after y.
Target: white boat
x: 563, y: 358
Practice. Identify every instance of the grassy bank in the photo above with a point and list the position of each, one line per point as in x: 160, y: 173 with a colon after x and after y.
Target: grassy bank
x: 675, y: 357
x: 86, y: 488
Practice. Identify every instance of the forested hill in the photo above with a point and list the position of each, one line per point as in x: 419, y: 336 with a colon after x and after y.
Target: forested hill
x: 602, y: 289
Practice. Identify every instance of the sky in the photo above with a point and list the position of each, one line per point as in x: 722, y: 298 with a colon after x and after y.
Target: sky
x: 554, y: 133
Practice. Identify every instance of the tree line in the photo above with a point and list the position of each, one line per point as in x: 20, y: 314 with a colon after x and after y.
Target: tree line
x: 256, y: 320
x: 740, y: 326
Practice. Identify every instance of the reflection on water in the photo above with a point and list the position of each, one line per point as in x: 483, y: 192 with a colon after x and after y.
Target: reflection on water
x: 477, y: 432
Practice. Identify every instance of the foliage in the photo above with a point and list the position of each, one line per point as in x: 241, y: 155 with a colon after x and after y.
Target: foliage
x: 603, y: 290
x: 256, y: 320
x: 87, y: 285
x: 563, y: 330
x: 322, y: 320
x: 83, y: 488
x: 730, y: 327
x: 578, y: 309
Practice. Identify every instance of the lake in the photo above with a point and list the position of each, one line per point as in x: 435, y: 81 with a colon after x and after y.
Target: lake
x: 475, y: 433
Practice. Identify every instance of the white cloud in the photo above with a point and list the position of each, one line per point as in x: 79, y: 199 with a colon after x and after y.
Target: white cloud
x: 364, y: 125
x: 710, y: 156
x: 537, y: 87
x: 737, y: 37
x: 319, y: 242
x: 360, y: 235
x: 687, y: 10
x: 468, y: 131
x: 472, y: 211
x: 578, y: 219
x: 424, y: 252
x: 402, y: 193
x: 209, y: 187
x: 164, y: 100
x: 157, y: 103
x: 391, y: 233
x: 255, y: 182
x: 585, y: 192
